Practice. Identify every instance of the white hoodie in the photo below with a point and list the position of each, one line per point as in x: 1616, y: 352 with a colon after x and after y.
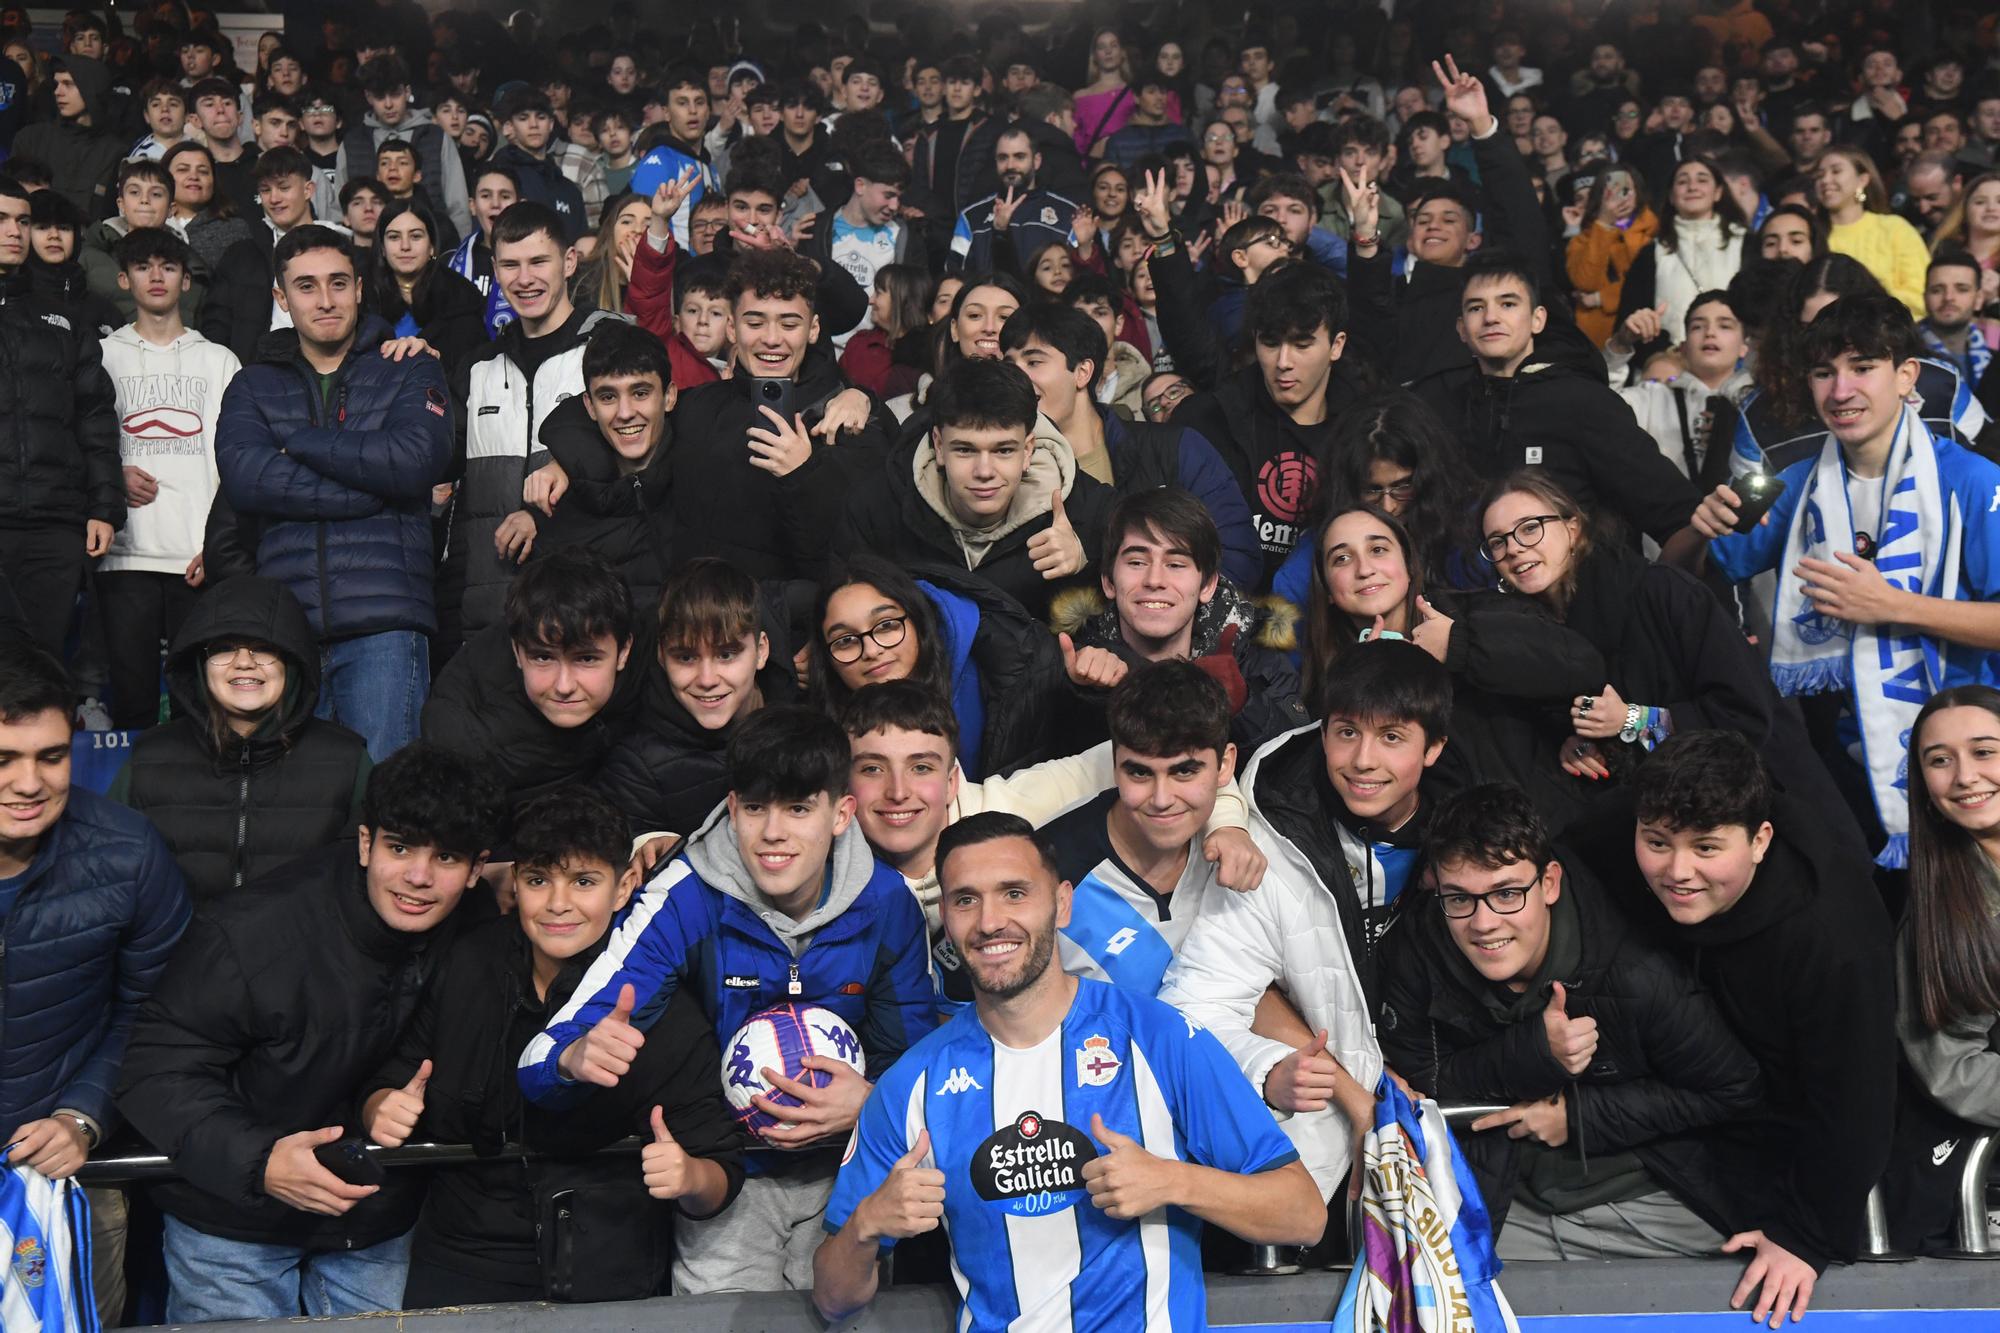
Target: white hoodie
x: 168, y: 401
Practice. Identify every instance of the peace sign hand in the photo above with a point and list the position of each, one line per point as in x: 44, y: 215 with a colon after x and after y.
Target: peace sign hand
x: 1464, y: 96
x: 1003, y: 208
x: 1364, y: 202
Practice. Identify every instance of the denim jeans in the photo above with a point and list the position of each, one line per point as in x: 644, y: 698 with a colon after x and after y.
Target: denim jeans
x: 375, y: 685
x: 210, y: 1278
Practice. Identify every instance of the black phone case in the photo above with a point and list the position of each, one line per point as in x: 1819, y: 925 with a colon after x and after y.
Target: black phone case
x: 351, y: 1162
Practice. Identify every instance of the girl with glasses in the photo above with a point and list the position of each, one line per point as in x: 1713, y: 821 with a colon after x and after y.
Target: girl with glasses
x: 1674, y: 658
x: 244, y: 778
x: 961, y: 638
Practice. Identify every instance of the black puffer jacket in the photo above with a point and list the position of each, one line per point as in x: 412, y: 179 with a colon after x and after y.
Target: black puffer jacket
x: 668, y: 772
x: 1667, y: 1065
x: 624, y: 517
x: 60, y: 464
x: 237, y: 812
x: 768, y: 527
x: 479, y: 708
x: 282, y: 998
x: 476, y: 1017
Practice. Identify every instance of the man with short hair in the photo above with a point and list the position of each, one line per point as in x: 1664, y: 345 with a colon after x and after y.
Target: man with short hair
x: 200, y: 56
x: 91, y: 904
x: 1549, y: 417
x: 1783, y: 925
x: 1359, y: 146
x: 991, y: 488
x: 385, y: 81
x: 274, y: 121
x: 79, y: 143
x: 1681, y: 414
x: 528, y: 122
x: 1191, y: 1143
x: 495, y: 189
x: 776, y: 900
x: 164, y: 104
x: 1148, y: 130
x: 675, y: 148
x: 1516, y: 981
x: 144, y: 199
x: 1933, y: 183
x: 1809, y: 136
x: 868, y: 232
x: 1029, y: 216
x: 218, y: 114
x: 241, y: 306
x: 1983, y: 144
x: 617, y: 133
x: 1952, y: 329
x: 1944, y: 131
x: 361, y: 203
x: 400, y: 173
x: 328, y: 450
x: 61, y: 492
x: 278, y: 1005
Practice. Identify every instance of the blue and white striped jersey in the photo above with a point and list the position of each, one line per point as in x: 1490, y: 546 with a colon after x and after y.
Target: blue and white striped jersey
x: 45, y: 1229
x: 1011, y: 1130
x: 1120, y: 930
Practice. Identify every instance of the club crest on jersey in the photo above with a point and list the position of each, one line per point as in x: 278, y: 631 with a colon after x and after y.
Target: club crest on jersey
x: 1032, y: 1167
x: 1095, y: 1063
x: 31, y: 1262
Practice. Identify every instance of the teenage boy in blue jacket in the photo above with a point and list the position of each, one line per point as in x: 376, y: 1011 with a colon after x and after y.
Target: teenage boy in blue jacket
x: 777, y: 900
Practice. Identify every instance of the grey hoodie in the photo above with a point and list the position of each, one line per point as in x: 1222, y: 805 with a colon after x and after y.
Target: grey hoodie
x: 718, y: 859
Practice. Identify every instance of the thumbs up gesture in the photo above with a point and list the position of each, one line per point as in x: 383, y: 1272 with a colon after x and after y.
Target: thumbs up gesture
x: 1432, y: 632
x: 1643, y: 325
x: 1305, y: 1080
x: 1094, y: 668
x: 1572, y: 1041
x: 604, y: 1054
x: 911, y: 1200
x: 1056, y: 550
x: 392, y: 1113
x: 1125, y: 1181
x: 664, y: 1164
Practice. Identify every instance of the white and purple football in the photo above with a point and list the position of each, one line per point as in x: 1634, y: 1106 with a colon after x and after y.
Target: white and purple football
x: 780, y: 1039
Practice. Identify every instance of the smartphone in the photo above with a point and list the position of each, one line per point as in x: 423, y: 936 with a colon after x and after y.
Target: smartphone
x: 1758, y: 491
x: 780, y: 395
x: 351, y: 1162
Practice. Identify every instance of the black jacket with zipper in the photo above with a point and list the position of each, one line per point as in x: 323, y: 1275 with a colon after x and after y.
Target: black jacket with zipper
x: 1667, y: 1067
x: 626, y: 517
x: 475, y: 1019
x: 237, y: 811
x: 281, y: 999
x: 60, y: 465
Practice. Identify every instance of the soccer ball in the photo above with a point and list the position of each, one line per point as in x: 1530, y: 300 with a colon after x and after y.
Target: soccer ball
x: 781, y: 1039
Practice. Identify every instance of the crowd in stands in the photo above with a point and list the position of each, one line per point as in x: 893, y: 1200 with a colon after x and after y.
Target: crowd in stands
x: 1448, y: 543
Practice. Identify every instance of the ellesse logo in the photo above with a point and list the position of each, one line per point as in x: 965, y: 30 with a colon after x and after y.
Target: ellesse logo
x: 162, y: 423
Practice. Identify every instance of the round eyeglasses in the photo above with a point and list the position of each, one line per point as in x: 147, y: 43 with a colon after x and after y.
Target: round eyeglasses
x: 1501, y: 902
x: 1528, y: 532
x: 887, y: 633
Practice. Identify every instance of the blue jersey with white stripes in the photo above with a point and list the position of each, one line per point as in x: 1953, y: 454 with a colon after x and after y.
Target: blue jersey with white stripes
x: 1012, y: 1132
x: 45, y: 1272
x: 1120, y: 929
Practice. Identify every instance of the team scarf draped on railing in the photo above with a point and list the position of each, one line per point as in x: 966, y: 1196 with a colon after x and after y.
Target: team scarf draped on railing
x: 1426, y: 1261
x: 1888, y: 670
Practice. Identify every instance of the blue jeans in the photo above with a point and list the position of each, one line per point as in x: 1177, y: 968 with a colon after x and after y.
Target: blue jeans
x: 376, y: 685
x: 210, y: 1278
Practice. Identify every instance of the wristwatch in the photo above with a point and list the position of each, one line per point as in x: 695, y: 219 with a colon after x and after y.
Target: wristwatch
x: 84, y: 1127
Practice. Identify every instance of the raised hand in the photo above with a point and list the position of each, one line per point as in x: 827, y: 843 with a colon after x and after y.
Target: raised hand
x: 605, y: 1054
x: 1715, y: 516
x: 1364, y: 203
x: 1003, y: 208
x: 1151, y: 203
x: 1643, y: 325
x: 911, y: 1200
x: 1125, y: 1181
x: 1433, y: 630
x: 1083, y: 226
x: 1056, y: 550
x: 1093, y: 668
x: 1464, y: 96
x: 668, y: 197
x: 1305, y: 1080
x: 1572, y: 1041
x: 663, y: 1163
x: 391, y: 1114
x: 294, y: 1177
x: 1233, y: 212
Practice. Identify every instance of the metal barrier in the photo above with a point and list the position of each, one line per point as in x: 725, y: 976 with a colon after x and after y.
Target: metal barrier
x: 139, y: 1168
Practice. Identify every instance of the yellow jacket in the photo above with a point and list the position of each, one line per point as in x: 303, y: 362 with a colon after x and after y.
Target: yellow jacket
x: 1891, y: 249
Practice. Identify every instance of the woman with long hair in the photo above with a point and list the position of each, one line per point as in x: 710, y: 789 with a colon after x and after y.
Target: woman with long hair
x: 410, y: 285
x: 1856, y: 199
x: 1947, y: 960
x: 1778, y: 424
x: 1110, y: 201
x: 601, y: 280
x: 887, y: 357
x: 1791, y: 232
x: 1050, y: 269
x: 1105, y: 102
x: 207, y: 215
x: 1973, y: 225
x: 1675, y: 660
x: 1170, y: 62
x: 1513, y: 674
x: 1697, y: 247
x: 961, y: 638
x: 1618, y: 224
x: 970, y: 331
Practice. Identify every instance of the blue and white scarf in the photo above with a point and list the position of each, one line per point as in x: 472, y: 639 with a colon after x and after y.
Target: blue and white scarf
x: 1888, y: 672
x: 1978, y: 353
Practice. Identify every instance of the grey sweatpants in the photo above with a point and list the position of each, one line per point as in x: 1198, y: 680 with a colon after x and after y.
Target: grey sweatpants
x: 1654, y: 1226
x: 763, y: 1241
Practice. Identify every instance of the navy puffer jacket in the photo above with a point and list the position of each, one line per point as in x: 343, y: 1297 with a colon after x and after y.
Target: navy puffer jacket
x: 334, y: 496
x: 97, y: 915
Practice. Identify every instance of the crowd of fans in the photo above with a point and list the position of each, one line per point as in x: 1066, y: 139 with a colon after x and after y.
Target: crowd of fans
x: 1467, y: 529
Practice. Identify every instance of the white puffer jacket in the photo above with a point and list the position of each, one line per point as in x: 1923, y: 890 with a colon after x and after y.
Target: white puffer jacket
x: 1287, y: 933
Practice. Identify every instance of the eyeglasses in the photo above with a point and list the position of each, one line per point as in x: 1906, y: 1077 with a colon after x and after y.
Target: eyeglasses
x: 219, y: 653
x: 886, y: 633
x: 1282, y: 242
x: 1501, y: 902
x: 1528, y: 532
x: 1628, y: 114
x: 1166, y: 398
x: 1399, y: 491
x: 1219, y: 136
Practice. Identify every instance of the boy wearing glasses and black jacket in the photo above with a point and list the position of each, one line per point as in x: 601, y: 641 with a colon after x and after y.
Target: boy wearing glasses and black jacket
x: 1514, y: 981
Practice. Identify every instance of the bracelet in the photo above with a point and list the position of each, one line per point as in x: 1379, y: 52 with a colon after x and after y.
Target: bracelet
x: 1364, y: 242
x: 1646, y: 726
x: 1166, y: 245
x: 1634, y: 716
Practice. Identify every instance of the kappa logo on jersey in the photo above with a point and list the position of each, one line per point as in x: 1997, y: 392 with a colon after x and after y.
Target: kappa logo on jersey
x: 161, y: 423
x: 845, y: 1044
x: 1192, y: 1026
x: 1095, y: 1063
x: 31, y: 1262
x: 959, y: 1080
x: 1032, y: 1167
